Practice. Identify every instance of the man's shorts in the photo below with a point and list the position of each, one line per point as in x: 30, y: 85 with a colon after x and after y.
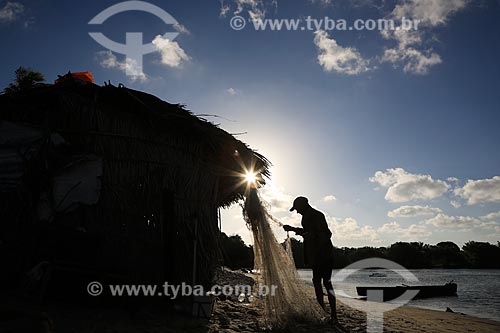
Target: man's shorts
x: 322, y: 272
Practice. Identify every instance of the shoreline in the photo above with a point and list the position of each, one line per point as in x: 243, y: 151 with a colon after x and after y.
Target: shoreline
x: 476, y: 292
x: 428, y: 320
x: 414, y: 319
x: 231, y: 316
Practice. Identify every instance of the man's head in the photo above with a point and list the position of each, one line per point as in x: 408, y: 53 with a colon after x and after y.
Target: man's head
x: 300, y: 204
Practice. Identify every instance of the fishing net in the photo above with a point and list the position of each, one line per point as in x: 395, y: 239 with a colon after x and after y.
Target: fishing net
x: 291, y: 303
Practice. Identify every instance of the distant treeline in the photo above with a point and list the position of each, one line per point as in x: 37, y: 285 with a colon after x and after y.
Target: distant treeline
x: 417, y: 255
x: 237, y: 254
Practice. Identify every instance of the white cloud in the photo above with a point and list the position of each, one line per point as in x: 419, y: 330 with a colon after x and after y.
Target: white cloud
x: 485, y: 224
x: 11, y: 12
x: 453, y: 222
x: 429, y: 12
x: 349, y: 232
x: 493, y: 229
x: 494, y: 232
x: 491, y: 216
x: 379, y: 4
x: 349, y: 229
x: 108, y: 60
x: 256, y: 8
x: 415, y: 61
x: 412, y: 233
x: 224, y: 9
x: 277, y: 198
x: 452, y: 179
x: 335, y: 58
x: 329, y: 198
x: 410, y: 211
x: 323, y: 3
x: 409, y: 52
x: 403, y: 186
x: 480, y: 191
x: 345, y: 232
x: 232, y: 91
x: 455, y: 204
x: 181, y: 29
x: 172, y: 54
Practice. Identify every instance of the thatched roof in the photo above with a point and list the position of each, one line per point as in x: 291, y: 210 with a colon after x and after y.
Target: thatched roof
x: 132, y: 115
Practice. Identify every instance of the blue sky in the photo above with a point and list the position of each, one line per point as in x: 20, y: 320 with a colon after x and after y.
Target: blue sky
x: 397, y: 130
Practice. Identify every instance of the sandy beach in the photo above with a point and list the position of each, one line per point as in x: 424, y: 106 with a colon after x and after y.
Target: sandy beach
x: 229, y: 315
x: 232, y: 316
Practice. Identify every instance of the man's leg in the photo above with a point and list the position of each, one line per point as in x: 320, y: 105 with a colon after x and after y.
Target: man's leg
x: 327, y: 282
x: 318, y: 288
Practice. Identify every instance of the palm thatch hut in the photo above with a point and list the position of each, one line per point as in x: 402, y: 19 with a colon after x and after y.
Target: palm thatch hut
x: 114, y: 181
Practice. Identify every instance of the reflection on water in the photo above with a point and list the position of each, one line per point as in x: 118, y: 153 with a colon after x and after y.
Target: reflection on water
x: 478, y: 290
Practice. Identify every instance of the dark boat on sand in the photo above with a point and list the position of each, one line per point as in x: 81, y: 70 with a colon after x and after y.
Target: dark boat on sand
x: 390, y: 293
x: 377, y: 275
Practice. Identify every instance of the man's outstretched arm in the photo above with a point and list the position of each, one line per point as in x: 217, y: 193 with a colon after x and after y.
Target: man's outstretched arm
x: 298, y: 231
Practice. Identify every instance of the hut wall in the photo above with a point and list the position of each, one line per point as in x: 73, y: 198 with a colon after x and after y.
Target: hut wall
x: 157, y: 188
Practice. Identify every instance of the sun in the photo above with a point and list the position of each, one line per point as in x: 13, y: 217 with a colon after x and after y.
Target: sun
x: 250, y: 177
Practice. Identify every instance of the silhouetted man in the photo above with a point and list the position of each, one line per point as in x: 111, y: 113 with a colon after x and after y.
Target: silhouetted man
x: 318, y: 249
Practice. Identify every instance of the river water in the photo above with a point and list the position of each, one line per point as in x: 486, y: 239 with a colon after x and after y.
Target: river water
x: 478, y: 290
